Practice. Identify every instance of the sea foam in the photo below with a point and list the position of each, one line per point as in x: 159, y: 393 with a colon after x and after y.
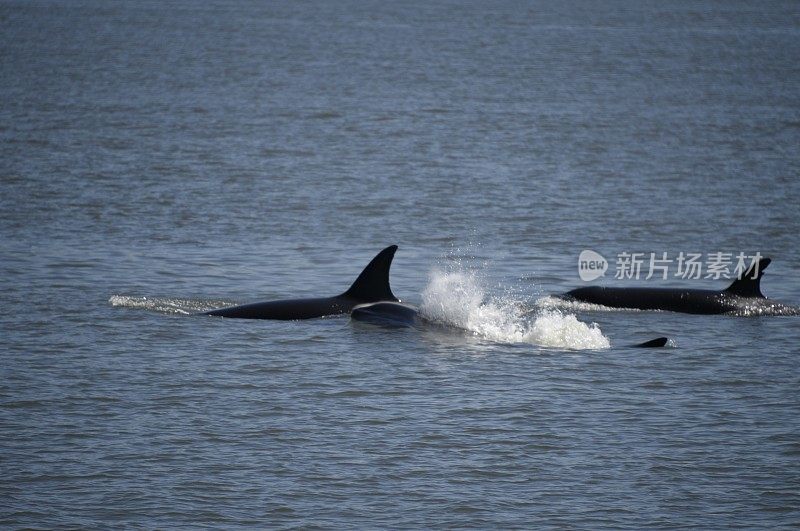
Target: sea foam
x: 164, y: 304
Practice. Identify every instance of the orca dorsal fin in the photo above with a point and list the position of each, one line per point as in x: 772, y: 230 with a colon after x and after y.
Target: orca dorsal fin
x: 747, y: 286
x: 653, y: 343
x: 372, y: 285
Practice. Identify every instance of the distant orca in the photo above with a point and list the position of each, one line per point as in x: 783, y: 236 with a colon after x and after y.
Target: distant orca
x: 399, y: 315
x: 742, y: 297
x: 653, y: 343
x: 372, y: 285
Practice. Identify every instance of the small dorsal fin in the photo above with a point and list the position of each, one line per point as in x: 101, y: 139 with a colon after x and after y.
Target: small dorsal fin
x: 372, y: 285
x: 653, y: 343
x: 747, y: 286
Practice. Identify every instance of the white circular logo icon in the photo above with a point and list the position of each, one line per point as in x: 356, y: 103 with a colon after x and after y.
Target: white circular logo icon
x: 591, y: 265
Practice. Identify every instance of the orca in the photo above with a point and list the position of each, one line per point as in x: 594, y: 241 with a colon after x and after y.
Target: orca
x: 399, y: 315
x: 653, y: 343
x: 742, y: 297
x: 372, y: 285
x: 387, y: 313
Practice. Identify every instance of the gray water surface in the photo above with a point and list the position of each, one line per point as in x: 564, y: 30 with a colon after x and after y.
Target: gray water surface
x: 157, y: 159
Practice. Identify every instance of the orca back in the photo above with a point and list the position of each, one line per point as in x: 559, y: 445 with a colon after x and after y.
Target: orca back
x: 372, y: 285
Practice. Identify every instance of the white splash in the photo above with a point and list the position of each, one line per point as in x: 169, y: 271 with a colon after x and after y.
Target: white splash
x: 163, y: 304
x: 555, y: 303
x: 456, y: 298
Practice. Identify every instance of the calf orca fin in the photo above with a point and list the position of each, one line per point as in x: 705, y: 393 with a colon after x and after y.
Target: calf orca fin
x: 372, y: 285
x: 748, y: 286
x: 653, y: 343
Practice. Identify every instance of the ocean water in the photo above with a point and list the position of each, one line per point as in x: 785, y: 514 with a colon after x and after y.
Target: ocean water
x: 162, y: 158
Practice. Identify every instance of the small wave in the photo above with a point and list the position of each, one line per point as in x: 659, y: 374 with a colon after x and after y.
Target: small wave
x: 165, y: 305
x: 765, y: 307
x: 555, y: 303
x: 456, y: 298
x: 755, y: 308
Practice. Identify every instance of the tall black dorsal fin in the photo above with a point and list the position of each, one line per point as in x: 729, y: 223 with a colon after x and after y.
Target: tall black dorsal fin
x: 372, y: 285
x: 747, y: 286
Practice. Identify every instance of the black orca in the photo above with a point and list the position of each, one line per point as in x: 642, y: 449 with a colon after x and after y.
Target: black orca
x: 400, y: 315
x: 372, y: 285
x: 653, y: 343
x: 386, y: 313
x: 742, y: 297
